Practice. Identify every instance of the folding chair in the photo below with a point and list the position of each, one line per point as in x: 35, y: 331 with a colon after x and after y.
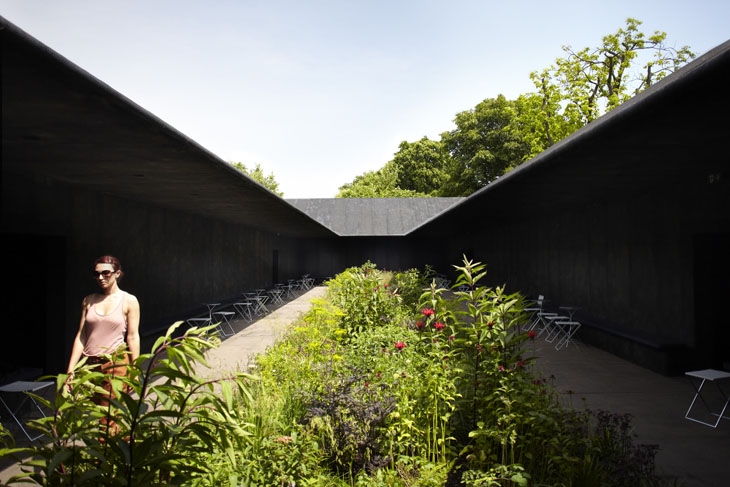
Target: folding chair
x: 22, y: 389
x: 554, y: 330
x: 205, y: 321
x: 275, y: 295
x: 244, y: 309
x: 567, y: 330
x: 534, y: 310
x: 712, y: 405
x: 224, y: 317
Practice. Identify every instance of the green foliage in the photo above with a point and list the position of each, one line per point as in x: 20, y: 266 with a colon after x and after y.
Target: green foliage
x: 365, y: 301
x: 349, y: 418
x: 498, y: 134
x: 275, y: 451
x: 483, y: 146
x: 409, y: 285
x: 257, y: 174
x: 364, y: 390
x: 584, y: 84
x: 422, y: 166
x: 169, y: 420
x: 382, y: 183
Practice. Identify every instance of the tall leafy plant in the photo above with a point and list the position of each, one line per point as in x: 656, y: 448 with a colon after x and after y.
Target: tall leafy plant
x: 169, y: 420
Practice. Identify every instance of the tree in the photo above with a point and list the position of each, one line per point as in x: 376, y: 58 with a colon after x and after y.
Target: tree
x: 483, y: 146
x: 498, y: 134
x: 257, y: 174
x: 587, y: 83
x: 421, y: 166
x: 382, y: 183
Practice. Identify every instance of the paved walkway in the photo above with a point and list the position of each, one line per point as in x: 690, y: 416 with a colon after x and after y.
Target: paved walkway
x: 696, y: 454
x: 235, y: 352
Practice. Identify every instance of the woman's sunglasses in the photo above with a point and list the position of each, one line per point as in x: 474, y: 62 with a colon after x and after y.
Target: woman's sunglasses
x: 105, y: 274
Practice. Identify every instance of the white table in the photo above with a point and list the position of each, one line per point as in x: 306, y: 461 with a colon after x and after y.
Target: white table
x: 714, y: 376
x: 570, y: 310
x: 23, y: 388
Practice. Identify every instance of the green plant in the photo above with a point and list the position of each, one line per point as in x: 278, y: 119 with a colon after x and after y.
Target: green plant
x: 365, y: 301
x: 349, y: 420
x: 410, y: 284
x: 363, y: 391
x: 169, y: 420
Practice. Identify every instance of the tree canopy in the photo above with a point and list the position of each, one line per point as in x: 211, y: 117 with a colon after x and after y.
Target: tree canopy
x: 376, y: 184
x: 257, y: 174
x: 498, y: 134
x: 483, y: 146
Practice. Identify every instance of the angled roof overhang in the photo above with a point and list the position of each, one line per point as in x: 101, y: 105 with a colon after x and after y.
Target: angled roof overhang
x: 60, y: 122
x: 671, y: 138
x: 367, y: 217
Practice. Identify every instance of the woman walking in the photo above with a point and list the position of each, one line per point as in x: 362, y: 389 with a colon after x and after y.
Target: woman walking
x: 108, y: 334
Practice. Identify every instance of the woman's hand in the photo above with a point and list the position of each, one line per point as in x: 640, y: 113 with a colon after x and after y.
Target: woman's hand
x: 67, y: 383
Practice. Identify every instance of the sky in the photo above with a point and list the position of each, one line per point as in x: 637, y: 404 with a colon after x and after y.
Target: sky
x: 318, y: 92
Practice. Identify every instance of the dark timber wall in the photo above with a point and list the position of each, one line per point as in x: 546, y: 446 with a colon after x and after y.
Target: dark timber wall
x: 631, y: 264
x: 173, y: 261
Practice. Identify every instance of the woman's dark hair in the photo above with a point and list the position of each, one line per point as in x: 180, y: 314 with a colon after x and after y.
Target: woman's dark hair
x: 113, y: 261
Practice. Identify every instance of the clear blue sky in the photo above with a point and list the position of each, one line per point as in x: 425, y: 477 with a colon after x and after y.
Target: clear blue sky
x: 320, y: 91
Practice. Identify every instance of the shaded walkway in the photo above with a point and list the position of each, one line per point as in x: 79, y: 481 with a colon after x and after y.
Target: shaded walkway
x: 584, y: 375
x: 236, y: 351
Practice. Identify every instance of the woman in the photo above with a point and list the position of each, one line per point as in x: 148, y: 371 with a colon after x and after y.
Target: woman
x: 109, y: 320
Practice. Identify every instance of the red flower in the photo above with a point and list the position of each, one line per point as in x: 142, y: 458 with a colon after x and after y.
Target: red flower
x: 438, y: 325
x: 531, y: 335
x: 385, y: 286
x: 400, y: 345
x: 420, y: 325
x: 427, y: 312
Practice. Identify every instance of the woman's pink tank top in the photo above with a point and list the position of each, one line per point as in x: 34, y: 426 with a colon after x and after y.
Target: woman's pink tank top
x: 105, y: 333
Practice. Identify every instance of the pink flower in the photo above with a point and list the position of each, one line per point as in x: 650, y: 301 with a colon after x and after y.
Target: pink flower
x: 427, y: 312
x: 438, y: 325
x: 400, y: 345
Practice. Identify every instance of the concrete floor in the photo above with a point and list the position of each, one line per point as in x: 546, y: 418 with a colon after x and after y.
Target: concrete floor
x: 697, y: 455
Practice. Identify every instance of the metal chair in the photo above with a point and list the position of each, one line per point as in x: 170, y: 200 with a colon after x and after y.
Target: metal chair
x: 24, y: 389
